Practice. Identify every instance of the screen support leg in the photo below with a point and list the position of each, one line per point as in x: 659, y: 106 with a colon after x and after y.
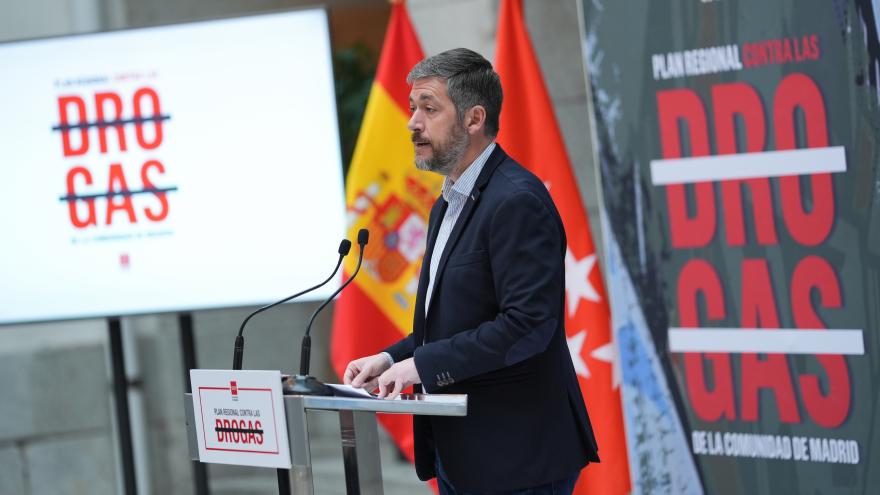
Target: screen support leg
x: 188, y: 354
x: 283, y: 481
x: 120, y: 393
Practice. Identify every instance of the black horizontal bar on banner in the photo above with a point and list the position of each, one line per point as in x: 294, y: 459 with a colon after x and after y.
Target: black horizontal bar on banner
x: 110, y: 194
x: 221, y: 429
x: 110, y: 123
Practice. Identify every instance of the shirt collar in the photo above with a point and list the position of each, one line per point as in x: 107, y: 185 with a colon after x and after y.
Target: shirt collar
x: 465, y: 183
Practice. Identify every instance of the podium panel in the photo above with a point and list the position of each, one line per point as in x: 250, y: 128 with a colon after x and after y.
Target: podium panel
x: 359, y: 433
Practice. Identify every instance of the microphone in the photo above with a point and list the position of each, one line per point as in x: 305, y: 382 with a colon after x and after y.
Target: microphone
x: 303, y: 384
x: 238, y: 353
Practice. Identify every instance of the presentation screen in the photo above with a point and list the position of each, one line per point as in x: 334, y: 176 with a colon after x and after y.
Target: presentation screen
x: 168, y: 169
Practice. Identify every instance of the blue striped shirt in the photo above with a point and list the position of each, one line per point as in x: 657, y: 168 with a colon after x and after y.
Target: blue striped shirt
x: 455, y: 193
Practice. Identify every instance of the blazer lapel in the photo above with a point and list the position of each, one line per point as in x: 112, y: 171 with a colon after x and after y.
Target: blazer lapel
x: 497, y: 156
x: 434, y: 220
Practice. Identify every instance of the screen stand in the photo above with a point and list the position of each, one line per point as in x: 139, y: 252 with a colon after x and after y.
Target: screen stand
x: 188, y: 354
x: 120, y: 393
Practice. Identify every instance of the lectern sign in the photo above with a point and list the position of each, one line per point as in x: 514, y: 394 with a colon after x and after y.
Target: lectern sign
x: 239, y: 418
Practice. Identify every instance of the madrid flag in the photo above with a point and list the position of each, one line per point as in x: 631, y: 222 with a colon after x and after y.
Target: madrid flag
x: 386, y: 194
x: 530, y: 134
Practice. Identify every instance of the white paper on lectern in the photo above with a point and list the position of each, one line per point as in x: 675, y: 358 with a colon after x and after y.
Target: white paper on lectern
x: 239, y: 418
x: 341, y: 390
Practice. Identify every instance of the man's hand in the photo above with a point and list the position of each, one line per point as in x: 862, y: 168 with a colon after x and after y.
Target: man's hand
x: 364, y: 372
x: 397, y: 378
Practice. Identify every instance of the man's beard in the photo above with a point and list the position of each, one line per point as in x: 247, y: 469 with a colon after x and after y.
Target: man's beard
x: 443, y: 159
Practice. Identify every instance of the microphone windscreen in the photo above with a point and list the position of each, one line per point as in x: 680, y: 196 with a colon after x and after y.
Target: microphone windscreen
x: 344, y: 247
x: 363, y: 237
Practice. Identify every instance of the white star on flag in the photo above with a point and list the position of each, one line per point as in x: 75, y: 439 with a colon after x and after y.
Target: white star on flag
x: 577, y: 280
x: 606, y: 353
x: 575, y: 346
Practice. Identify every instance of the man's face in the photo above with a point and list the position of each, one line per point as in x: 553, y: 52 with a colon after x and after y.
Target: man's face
x: 439, y: 138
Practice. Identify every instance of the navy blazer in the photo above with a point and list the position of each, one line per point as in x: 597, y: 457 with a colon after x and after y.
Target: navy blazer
x: 495, y: 331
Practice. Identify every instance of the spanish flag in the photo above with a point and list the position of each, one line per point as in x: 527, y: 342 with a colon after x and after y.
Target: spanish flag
x: 530, y: 134
x: 388, y: 195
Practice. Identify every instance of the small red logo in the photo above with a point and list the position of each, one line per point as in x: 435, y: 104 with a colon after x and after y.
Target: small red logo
x: 124, y: 260
x: 233, y: 386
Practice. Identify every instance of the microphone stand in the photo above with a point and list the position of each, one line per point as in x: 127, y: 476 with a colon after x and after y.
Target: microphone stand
x: 238, y: 353
x: 303, y: 383
x: 344, y: 247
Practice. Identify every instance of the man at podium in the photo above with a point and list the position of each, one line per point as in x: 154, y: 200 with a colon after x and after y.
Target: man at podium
x: 490, y: 305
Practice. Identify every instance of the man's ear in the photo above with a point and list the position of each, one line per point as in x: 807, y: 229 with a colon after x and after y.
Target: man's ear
x: 475, y: 120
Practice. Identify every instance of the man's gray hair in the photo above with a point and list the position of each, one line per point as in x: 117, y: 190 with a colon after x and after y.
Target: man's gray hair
x: 470, y: 81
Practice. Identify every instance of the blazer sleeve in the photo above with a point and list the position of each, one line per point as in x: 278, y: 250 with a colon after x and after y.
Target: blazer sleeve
x: 526, y: 247
x: 403, y: 349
